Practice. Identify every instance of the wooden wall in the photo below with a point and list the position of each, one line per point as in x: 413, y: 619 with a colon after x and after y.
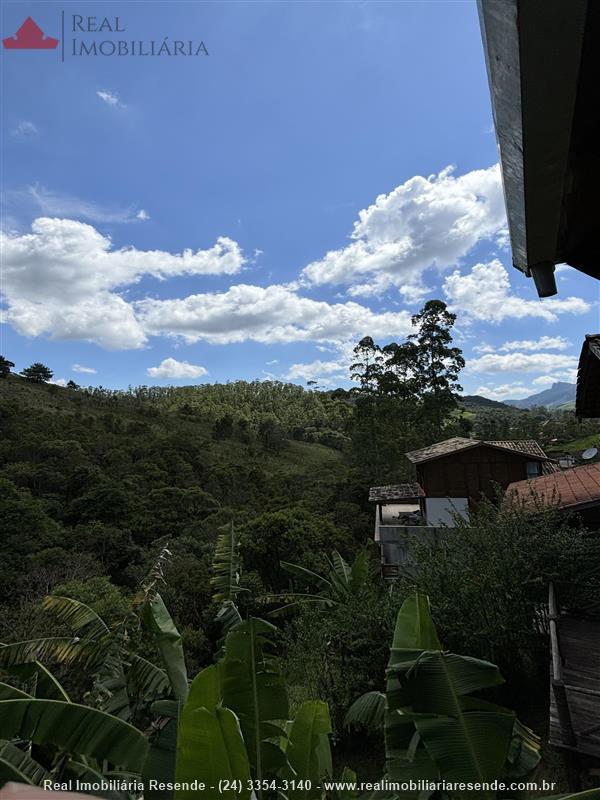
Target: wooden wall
x: 472, y: 473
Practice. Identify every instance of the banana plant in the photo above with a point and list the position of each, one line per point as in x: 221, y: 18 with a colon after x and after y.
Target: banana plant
x: 235, y: 732
x: 342, y: 582
x: 434, y: 727
x: 43, y: 736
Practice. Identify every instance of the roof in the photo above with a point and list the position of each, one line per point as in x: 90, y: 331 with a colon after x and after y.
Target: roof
x: 394, y: 492
x: 527, y: 447
x: 587, y: 401
x: 569, y: 488
x: 543, y: 64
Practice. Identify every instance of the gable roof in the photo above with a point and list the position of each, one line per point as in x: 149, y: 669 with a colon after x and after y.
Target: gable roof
x: 526, y: 447
x: 395, y: 492
x: 568, y: 488
x: 587, y: 401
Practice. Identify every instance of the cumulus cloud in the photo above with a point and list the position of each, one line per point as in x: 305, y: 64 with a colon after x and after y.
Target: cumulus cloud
x: 265, y: 314
x: 570, y: 376
x: 521, y: 362
x: 484, y: 294
x: 535, y: 345
x: 423, y: 223
x: 171, y: 368
x: 24, y: 130
x: 60, y: 280
x: 81, y: 368
x: 142, y: 214
x: 315, y: 370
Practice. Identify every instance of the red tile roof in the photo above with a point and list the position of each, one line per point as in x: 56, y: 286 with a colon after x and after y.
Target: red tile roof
x: 567, y: 489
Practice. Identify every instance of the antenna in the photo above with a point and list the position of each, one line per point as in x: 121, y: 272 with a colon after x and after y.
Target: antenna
x: 591, y: 452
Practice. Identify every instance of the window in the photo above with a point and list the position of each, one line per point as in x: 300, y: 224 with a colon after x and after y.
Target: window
x: 534, y: 468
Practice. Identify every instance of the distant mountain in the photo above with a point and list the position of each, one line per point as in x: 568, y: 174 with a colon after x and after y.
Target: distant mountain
x: 477, y: 401
x: 559, y: 394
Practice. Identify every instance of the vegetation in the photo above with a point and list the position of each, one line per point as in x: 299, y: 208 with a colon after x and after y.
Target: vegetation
x: 253, y: 495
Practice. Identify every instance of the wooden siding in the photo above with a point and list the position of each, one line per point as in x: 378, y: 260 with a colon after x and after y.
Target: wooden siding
x: 472, y: 472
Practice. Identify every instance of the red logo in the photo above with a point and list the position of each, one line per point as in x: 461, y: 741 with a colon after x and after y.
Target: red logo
x: 30, y: 37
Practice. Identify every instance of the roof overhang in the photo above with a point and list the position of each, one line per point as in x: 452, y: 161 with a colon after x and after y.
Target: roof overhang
x: 543, y: 63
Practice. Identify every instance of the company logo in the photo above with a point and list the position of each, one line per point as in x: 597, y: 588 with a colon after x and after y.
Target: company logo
x: 30, y: 37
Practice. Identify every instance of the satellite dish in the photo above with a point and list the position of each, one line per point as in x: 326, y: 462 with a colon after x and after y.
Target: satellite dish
x: 591, y: 452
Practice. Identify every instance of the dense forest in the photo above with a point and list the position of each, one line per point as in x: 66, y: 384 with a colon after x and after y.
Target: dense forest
x: 165, y: 526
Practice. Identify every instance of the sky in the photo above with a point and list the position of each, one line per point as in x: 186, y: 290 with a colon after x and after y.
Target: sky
x: 276, y: 181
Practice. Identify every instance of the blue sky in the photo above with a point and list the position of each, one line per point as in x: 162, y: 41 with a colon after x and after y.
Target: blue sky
x: 253, y: 212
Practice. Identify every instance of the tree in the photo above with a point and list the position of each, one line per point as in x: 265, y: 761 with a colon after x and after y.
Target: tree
x: 37, y: 373
x: 437, y: 365
x: 73, y: 385
x: 5, y: 367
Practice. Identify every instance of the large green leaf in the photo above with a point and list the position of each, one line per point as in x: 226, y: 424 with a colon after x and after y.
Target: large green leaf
x: 366, y: 712
x: 414, y: 627
x: 22, y: 763
x: 44, y: 682
x: 252, y: 687
x: 308, y: 750
x: 79, y: 617
x: 75, y: 729
x: 211, y: 750
x: 359, y: 571
x: 8, y: 692
x: 307, y: 576
x: 86, y: 653
x: 168, y: 639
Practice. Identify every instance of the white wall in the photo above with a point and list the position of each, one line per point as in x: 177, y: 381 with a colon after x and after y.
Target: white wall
x: 439, y: 510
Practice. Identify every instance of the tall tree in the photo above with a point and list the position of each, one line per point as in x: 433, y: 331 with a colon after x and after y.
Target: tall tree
x: 437, y: 364
x: 38, y: 373
x: 5, y: 367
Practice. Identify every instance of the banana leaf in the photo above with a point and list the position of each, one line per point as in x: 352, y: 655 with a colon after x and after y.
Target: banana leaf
x: 308, y: 750
x: 211, y: 750
x: 226, y: 566
x: 253, y: 688
x: 76, y: 615
x: 22, y: 763
x: 75, y: 729
x: 168, y: 639
x: 366, y: 712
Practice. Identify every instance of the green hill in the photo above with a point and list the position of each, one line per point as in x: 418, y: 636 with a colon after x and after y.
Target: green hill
x: 94, y: 482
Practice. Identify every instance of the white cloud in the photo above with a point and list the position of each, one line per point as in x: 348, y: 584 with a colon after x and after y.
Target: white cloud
x: 512, y: 391
x: 570, y: 376
x: 60, y: 280
x: 535, y: 345
x: 171, y: 368
x: 110, y: 98
x: 58, y: 381
x: 266, y: 314
x: 142, y: 214
x: 315, y: 370
x: 24, y: 130
x: 521, y: 362
x: 81, y: 368
x: 484, y: 294
x: 425, y: 222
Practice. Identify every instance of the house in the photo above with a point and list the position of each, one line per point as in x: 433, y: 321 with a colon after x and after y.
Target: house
x: 456, y: 473
x: 576, y: 489
x: 452, y: 476
x: 587, y: 401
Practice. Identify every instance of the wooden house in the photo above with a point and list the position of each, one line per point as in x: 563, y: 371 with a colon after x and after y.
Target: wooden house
x: 452, y: 476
